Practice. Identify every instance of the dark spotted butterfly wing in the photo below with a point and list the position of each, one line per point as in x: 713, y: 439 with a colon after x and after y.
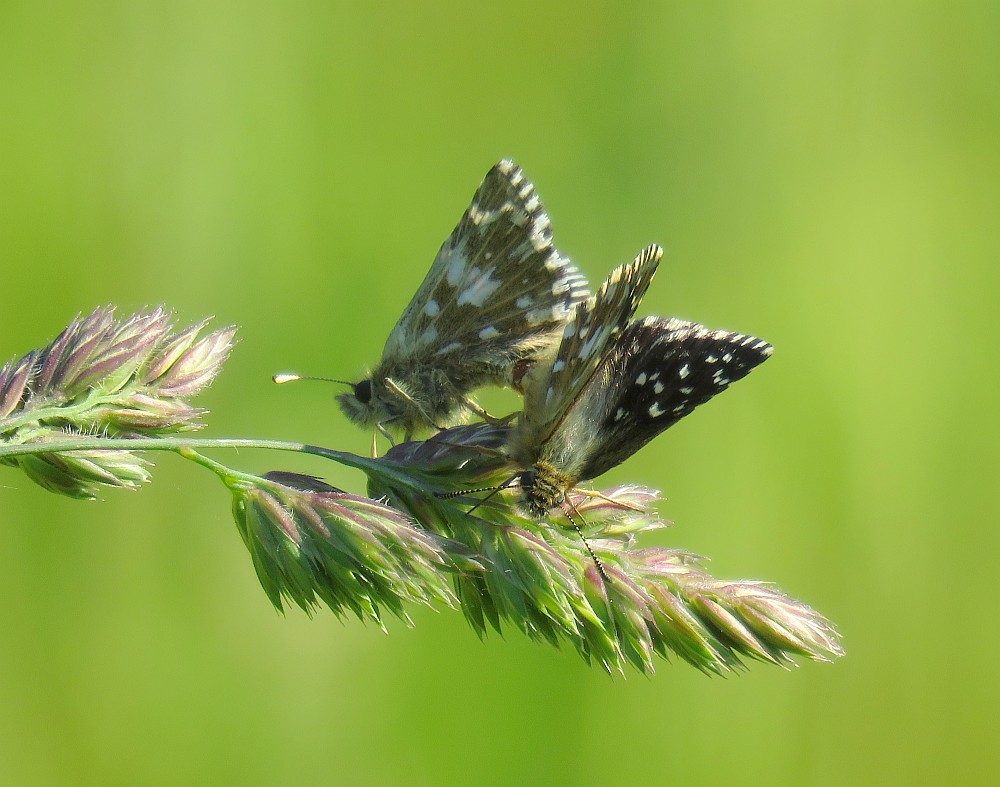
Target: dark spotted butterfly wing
x: 657, y: 372
x: 614, y: 388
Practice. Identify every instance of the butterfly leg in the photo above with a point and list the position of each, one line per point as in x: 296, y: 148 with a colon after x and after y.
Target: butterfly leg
x: 385, y: 433
x: 395, y: 388
x: 471, y: 405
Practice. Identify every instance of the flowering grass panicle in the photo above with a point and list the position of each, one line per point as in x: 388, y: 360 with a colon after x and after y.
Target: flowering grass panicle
x: 312, y: 544
x: 108, y: 377
x: 541, y: 578
x: 441, y: 522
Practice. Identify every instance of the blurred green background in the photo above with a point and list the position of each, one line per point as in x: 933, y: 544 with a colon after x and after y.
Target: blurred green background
x: 824, y: 175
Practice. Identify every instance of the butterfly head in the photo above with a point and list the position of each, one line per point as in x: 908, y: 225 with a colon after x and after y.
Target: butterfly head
x: 543, y: 488
x: 363, y: 406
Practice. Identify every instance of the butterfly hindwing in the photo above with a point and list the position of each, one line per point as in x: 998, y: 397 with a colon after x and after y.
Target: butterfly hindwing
x: 657, y: 372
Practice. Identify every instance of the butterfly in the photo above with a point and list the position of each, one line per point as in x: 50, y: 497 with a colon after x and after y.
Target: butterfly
x: 616, y: 384
x: 494, y: 302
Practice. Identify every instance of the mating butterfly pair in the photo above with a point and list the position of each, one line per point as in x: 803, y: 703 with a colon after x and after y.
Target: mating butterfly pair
x: 501, y: 306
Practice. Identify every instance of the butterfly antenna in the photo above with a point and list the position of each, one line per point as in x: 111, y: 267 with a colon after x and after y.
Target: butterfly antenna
x: 491, y: 489
x: 593, y: 555
x: 290, y: 377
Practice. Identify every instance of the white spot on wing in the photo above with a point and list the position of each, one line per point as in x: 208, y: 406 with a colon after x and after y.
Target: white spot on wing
x: 428, y: 336
x: 457, y: 267
x: 588, y: 347
x: 431, y: 308
x: 488, y: 332
x: 450, y: 347
x: 479, y: 290
x: 655, y: 410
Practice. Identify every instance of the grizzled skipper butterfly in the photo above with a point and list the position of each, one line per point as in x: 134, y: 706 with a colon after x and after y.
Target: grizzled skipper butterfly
x: 615, y: 385
x: 496, y: 299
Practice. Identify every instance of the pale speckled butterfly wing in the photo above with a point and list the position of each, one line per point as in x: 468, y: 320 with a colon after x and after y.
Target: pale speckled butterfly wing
x: 497, y: 286
x: 585, y: 342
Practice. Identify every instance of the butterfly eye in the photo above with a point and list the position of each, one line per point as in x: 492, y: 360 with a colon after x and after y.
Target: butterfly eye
x: 363, y: 391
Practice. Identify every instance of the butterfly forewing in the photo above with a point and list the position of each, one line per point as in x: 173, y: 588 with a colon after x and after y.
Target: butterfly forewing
x: 657, y: 372
x: 497, y: 283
